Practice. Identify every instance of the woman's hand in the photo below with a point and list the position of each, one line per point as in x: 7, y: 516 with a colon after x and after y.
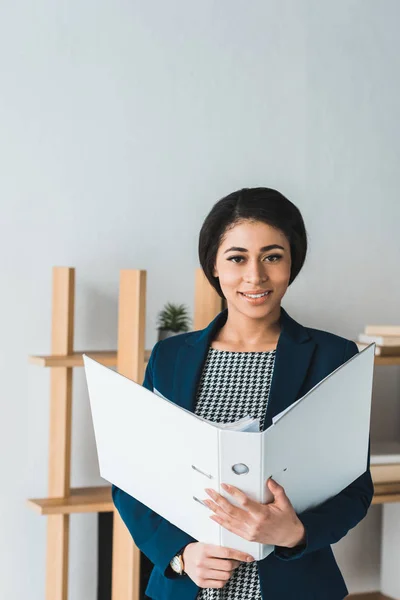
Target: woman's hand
x: 212, y: 566
x: 276, y: 523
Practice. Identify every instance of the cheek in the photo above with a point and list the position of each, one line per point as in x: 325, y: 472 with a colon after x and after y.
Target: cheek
x: 229, y: 278
x: 282, y: 274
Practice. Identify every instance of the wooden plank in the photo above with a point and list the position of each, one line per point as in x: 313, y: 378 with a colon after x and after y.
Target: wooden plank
x: 207, y: 303
x: 109, y: 357
x: 98, y: 499
x: 131, y: 341
x: 386, y: 498
x: 80, y: 500
x: 366, y: 596
x: 105, y: 357
x: 57, y: 550
x: 387, y: 360
x: 131, y: 324
x: 386, y: 492
x: 63, y: 298
x: 125, y: 563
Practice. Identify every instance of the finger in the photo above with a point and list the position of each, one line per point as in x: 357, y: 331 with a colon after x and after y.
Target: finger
x: 219, y: 564
x: 238, y: 514
x: 213, y: 583
x: 217, y: 574
x: 277, y: 490
x: 234, y: 526
x: 214, y: 551
x: 225, y: 505
x: 242, y: 499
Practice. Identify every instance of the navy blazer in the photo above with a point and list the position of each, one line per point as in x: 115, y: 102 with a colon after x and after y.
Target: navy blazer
x: 304, y: 356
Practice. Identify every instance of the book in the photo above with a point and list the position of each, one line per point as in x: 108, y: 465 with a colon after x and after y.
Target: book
x: 381, y: 340
x: 383, y: 453
x: 165, y: 456
x: 382, y: 330
x: 380, y: 350
x: 385, y: 461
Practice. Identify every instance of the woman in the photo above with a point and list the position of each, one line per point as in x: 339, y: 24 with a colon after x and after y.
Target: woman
x: 252, y: 359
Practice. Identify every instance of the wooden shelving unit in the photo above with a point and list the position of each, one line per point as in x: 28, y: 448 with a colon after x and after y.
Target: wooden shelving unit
x: 130, y: 359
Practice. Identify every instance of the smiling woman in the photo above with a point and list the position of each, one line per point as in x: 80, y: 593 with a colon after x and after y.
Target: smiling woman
x: 252, y: 360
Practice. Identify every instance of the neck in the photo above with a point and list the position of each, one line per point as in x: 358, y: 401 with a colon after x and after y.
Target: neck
x: 240, y: 329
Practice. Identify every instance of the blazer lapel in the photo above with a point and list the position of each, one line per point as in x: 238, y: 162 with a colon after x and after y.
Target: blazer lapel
x: 294, y: 352
x: 293, y: 356
x: 190, y: 360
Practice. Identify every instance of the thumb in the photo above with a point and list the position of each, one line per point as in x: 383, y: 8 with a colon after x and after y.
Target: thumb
x: 277, y: 490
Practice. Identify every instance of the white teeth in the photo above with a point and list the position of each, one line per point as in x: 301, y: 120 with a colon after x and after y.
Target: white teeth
x: 256, y: 295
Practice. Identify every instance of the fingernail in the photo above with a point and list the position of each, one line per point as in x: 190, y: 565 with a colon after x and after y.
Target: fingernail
x: 250, y: 559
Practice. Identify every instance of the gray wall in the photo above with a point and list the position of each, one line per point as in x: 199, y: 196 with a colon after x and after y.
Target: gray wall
x: 121, y: 124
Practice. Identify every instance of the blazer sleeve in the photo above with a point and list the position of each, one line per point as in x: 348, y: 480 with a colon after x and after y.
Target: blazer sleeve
x: 156, y: 537
x: 327, y: 523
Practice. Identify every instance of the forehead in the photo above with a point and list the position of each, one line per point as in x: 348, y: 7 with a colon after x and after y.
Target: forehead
x: 252, y: 234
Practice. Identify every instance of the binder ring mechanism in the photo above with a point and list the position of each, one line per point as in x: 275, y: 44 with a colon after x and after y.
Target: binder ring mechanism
x: 206, y: 475
x: 202, y: 472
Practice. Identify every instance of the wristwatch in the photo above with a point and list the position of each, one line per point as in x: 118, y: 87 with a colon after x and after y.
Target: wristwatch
x: 177, y: 564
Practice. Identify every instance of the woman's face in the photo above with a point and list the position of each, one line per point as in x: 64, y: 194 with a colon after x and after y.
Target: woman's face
x: 253, y: 256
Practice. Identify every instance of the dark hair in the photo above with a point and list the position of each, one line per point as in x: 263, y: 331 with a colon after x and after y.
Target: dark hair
x: 252, y: 204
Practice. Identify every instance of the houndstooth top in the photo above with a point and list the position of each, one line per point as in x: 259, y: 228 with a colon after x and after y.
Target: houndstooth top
x: 233, y: 385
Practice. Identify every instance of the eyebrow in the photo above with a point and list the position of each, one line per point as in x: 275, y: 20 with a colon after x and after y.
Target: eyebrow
x: 263, y: 249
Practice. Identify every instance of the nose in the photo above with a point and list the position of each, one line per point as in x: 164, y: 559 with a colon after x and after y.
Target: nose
x: 255, y: 272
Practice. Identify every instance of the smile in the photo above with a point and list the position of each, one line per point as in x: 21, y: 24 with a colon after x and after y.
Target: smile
x: 256, y: 299
x: 255, y: 295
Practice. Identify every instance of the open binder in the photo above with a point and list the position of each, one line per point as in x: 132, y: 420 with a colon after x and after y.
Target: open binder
x: 164, y: 455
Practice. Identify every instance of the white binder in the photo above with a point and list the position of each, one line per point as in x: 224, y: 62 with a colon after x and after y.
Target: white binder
x: 164, y: 455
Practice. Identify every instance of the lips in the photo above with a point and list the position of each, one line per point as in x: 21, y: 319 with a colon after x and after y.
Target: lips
x: 255, y: 293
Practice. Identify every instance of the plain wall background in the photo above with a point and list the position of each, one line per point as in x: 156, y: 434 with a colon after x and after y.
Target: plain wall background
x: 121, y: 124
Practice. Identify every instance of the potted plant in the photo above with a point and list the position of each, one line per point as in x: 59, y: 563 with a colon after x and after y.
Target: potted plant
x: 173, y: 319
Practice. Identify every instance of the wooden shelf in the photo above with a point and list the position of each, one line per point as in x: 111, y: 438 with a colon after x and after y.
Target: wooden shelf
x: 386, y: 492
x: 105, y: 357
x: 98, y: 499
x: 82, y: 500
x: 109, y: 359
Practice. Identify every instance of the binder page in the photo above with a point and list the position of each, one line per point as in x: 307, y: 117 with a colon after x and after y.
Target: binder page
x: 320, y: 446
x: 147, y: 446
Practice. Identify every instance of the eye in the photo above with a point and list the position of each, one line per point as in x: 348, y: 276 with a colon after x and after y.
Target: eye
x: 232, y: 258
x: 276, y: 256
